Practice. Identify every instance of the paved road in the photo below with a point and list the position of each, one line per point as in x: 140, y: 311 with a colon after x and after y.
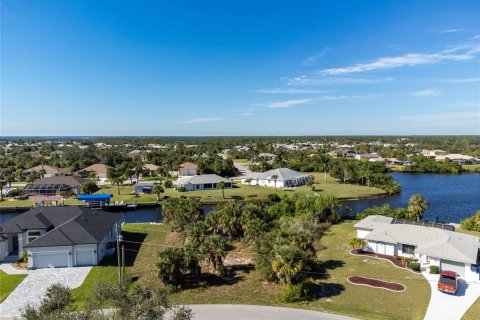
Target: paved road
x: 34, y: 286
x: 250, y: 312
x: 450, y: 307
x: 242, y: 169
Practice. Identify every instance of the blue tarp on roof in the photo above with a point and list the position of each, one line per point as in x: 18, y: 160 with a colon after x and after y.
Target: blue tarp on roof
x: 95, y: 197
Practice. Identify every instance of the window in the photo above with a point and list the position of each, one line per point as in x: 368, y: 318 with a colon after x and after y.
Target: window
x: 408, y: 249
x: 32, y: 235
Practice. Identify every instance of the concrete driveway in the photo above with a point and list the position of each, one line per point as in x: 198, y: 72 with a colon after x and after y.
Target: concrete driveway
x: 33, y: 287
x: 447, y: 306
x: 252, y: 312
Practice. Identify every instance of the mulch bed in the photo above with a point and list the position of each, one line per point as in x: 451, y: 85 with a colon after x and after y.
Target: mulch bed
x: 376, y: 283
x: 398, y: 262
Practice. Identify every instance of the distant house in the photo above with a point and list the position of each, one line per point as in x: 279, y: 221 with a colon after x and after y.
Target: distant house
x: 100, y: 170
x: 433, y: 153
x: 56, y: 237
x: 267, y: 156
x: 283, y: 178
x: 202, y: 182
x: 432, y: 246
x: 46, y: 170
x: 372, y: 157
x: 187, y: 169
x: 138, y: 154
x: 144, y: 187
x: 151, y: 168
x: 458, y: 158
x: 54, y: 185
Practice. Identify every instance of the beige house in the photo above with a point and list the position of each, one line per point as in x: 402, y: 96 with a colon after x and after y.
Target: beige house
x: 187, y: 169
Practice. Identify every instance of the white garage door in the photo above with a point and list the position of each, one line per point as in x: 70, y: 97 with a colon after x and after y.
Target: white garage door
x: 457, y: 267
x: 52, y: 259
x: 84, y: 257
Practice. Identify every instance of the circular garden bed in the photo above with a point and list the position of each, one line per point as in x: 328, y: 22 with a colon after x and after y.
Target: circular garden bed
x: 392, y: 286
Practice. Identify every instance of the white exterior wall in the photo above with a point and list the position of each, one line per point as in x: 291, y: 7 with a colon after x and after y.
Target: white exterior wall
x: 184, y: 172
x: 102, y: 250
x: 61, y: 249
x: 380, y: 248
x: 3, y: 249
x: 362, y: 233
x: 264, y: 183
x: 471, y: 273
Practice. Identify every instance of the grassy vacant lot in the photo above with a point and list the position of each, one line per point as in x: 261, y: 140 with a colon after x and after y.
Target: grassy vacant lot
x: 472, y: 167
x: 8, y: 282
x: 332, y: 293
x: 140, y: 259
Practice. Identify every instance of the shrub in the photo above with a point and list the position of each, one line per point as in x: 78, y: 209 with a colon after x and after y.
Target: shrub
x: 23, y: 257
x: 273, y: 197
x: 89, y: 187
x: 168, y: 183
x: 414, y: 266
x: 181, y: 189
x: 293, y: 292
x: 357, y: 244
x: 434, y: 269
x: 14, y: 192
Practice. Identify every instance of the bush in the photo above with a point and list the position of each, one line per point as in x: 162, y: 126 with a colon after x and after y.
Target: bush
x: 434, y: 269
x: 14, y: 192
x: 414, y: 266
x: 89, y: 187
x: 293, y: 292
x: 168, y: 184
x: 23, y: 257
x: 273, y: 197
x: 181, y: 189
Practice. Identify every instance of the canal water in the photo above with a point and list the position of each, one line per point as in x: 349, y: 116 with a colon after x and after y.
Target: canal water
x: 452, y: 198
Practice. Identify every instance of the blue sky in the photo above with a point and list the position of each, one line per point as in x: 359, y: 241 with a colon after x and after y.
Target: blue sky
x: 240, y: 67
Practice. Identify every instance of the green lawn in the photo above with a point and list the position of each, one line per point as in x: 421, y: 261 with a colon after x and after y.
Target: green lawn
x: 141, y: 263
x: 472, y: 167
x: 8, y: 282
x: 474, y: 312
x: 470, y: 232
x: 332, y: 292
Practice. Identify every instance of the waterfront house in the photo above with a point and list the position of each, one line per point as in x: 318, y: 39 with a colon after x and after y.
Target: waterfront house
x: 202, y: 182
x: 54, y: 185
x: 432, y: 246
x: 281, y: 178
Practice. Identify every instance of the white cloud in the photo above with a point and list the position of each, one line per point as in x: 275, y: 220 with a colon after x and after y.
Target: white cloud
x: 459, y: 80
x: 246, y: 114
x: 476, y: 37
x: 451, y: 30
x: 197, y: 120
x: 426, y: 93
x: 461, y: 53
x: 320, y: 80
x: 289, y: 91
x: 288, y: 103
x: 310, y: 61
x: 291, y: 103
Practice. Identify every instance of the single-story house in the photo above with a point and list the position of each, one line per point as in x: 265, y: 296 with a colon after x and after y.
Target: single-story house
x: 66, y: 236
x: 144, y: 187
x: 283, y: 178
x: 142, y: 155
x: 202, y: 182
x: 458, y: 158
x: 100, y: 170
x: 48, y: 171
x: 187, y: 169
x: 372, y: 157
x: 432, y: 246
x: 150, y: 168
x: 54, y: 185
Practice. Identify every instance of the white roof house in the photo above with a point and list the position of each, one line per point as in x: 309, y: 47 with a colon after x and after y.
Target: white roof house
x: 202, y: 182
x: 447, y: 249
x: 283, y: 177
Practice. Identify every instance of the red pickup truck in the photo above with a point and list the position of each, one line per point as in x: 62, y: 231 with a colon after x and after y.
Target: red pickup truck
x: 448, y: 282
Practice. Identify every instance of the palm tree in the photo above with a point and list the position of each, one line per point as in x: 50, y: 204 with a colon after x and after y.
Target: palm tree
x: 221, y: 185
x: 158, y: 189
x: 288, y: 263
x: 417, y: 206
x: 275, y: 177
x: 117, y: 180
x: 216, y: 250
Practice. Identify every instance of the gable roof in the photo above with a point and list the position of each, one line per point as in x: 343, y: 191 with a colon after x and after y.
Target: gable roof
x: 65, y: 225
x: 373, y: 221
x: 188, y: 165
x: 283, y: 174
x: 201, y: 179
x: 97, y: 168
x: 48, y: 169
x: 66, y: 180
x: 150, y: 166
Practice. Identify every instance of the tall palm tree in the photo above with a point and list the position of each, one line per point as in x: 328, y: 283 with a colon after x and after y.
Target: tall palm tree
x: 417, y: 204
x: 221, y: 185
x: 117, y: 180
x: 158, y: 189
x: 275, y: 177
x: 2, y: 184
x: 288, y: 263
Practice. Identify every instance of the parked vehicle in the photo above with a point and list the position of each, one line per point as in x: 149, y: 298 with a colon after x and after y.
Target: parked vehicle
x: 448, y: 282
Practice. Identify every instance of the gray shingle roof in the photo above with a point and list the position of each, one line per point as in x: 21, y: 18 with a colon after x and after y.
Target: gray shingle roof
x: 201, y: 179
x: 373, y: 221
x: 283, y: 174
x: 65, y: 225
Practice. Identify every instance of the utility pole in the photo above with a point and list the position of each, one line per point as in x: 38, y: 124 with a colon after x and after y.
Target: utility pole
x: 123, y: 260
x: 118, y: 254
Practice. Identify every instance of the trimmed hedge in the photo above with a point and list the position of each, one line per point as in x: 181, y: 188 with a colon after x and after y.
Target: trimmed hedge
x: 434, y: 269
